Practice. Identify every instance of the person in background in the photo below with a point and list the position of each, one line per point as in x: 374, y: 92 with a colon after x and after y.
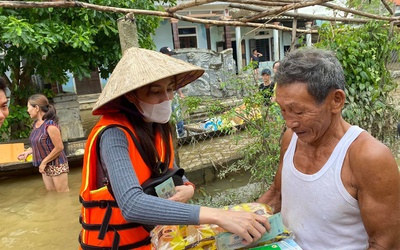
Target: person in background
x: 4, y: 101
x: 337, y: 187
x: 47, y: 147
x: 167, y: 51
x: 275, y: 66
x: 176, y: 107
x: 141, y: 102
x: 255, y: 60
x: 267, y: 86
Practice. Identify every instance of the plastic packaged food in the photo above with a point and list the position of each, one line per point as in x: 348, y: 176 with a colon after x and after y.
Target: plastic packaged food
x: 212, y: 237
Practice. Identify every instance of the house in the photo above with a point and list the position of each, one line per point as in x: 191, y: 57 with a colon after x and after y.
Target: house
x: 178, y: 34
x: 272, y: 43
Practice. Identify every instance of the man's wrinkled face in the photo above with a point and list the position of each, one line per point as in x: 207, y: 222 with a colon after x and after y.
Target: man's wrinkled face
x: 302, y: 114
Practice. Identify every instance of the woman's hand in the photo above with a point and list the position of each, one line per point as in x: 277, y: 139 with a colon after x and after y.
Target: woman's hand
x: 248, y: 225
x: 42, y: 167
x: 22, y: 156
x: 183, y: 193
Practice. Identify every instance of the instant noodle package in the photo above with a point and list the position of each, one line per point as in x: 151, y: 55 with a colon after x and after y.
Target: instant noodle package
x: 212, y: 237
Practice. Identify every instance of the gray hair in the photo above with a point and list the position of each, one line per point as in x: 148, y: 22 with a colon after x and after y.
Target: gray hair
x: 319, y: 69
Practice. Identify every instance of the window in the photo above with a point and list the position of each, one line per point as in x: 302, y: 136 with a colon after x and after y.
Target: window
x: 187, y: 37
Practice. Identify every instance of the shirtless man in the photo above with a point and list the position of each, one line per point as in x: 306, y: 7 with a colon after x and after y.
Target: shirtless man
x: 337, y: 187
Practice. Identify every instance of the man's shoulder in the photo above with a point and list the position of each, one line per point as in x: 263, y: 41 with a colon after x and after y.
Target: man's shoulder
x: 366, y: 142
x: 287, y: 137
x: 366, y: 150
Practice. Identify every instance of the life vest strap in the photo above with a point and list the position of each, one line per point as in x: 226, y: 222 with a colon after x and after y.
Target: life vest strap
x: 99, y: 203
x: 96, y: 227
x: 104, y: 225
x: 144, y: 242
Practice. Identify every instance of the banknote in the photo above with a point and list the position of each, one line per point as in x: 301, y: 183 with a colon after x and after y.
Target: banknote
x: 166, y: 189
x: 228, y: 241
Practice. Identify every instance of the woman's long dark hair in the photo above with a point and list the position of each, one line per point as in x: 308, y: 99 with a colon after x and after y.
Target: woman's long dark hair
x: 146, y: 134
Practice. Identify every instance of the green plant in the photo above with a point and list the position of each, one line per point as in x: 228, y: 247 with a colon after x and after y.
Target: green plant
x: 215, y: 107
x: 191, y: 103
x: 372, y: 6
x: 49, y: 42
x: 245, y: 194
x: 262, y: 124
x: 261, y: 157
x: 364, y: 52
x: 17, y: 115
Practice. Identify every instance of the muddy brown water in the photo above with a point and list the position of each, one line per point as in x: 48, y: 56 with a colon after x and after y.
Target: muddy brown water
x: 33, y: 218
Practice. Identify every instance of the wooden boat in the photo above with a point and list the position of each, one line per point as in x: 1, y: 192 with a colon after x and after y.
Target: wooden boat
x: 74, y: 150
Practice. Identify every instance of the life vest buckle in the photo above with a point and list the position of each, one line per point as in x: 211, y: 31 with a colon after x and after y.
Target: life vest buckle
x: 103, y: 204
x: 105, y: 181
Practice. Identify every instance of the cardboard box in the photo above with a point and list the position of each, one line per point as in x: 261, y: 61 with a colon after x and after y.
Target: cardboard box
x: 10, y: 152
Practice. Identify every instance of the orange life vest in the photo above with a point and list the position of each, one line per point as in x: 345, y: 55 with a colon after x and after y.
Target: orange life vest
x: 103, y: 226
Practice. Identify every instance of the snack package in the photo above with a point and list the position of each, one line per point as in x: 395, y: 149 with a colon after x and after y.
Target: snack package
x: 168, y: 237
x: 213, y: 237
x: 254, y: 207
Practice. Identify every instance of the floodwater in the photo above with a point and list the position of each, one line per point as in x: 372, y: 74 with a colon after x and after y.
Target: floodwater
x: 33, y: 218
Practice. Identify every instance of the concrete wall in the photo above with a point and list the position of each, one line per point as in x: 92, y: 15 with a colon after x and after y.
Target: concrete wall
x: 219, y: 67
x: 68, y: 111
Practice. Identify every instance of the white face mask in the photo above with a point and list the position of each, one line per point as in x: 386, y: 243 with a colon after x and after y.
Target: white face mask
x: 160, y: 112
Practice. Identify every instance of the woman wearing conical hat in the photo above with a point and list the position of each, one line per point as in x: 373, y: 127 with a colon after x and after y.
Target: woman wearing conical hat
x: 115, y: 208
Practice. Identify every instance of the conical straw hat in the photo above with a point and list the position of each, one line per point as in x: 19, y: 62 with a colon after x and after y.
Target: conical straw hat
x: 139, y: 67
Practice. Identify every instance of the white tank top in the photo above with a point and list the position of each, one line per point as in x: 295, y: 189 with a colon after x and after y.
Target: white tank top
x: 317, y: 207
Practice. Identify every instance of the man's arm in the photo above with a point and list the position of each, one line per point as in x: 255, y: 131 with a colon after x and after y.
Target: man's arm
x: 377, y: 181
x: 273, y: 195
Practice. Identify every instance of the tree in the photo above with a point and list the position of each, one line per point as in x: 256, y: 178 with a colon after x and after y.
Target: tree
x: 365, y: 53
x: 370, y: 6
x: 52, y: 37
x: 51, y: 41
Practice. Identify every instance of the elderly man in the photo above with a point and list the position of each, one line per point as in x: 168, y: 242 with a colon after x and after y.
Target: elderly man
x: 337, y: 187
